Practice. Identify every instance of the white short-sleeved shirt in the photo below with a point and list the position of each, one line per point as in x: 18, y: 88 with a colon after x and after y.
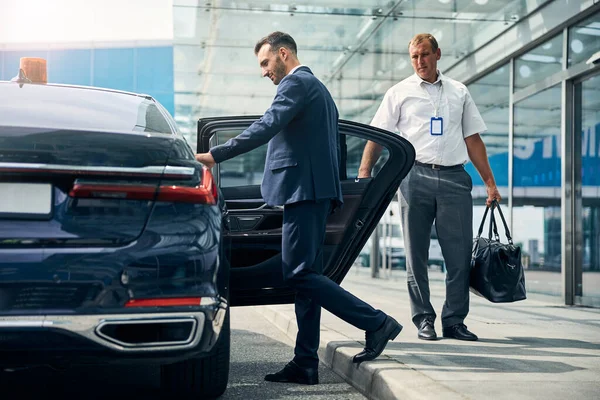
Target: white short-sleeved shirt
x: 408, y: 106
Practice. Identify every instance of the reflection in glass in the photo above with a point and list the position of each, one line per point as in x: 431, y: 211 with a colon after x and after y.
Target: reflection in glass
x: 584, y: 39
x: 247, y: 169
x: 243, y: 170
x: 589, y: 112
x: 491, y: 95
x: 539, y: 63
x: 537, y: 189
x: 354, y: 151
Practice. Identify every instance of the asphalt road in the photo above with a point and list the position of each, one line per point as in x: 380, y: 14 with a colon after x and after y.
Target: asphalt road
x: 257, y: 348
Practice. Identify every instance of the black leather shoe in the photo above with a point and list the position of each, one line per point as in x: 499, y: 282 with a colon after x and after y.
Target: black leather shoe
x: 460, y: 332
x: 426, y: 330
x: 293, y: 373
x: 375, y: 341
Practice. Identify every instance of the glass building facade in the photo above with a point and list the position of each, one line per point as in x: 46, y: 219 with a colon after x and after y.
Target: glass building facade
x: 529, y: 66
x: 551, y: 132
x: 358, y: 48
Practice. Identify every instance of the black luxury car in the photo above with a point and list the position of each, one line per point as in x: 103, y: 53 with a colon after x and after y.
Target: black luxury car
x: 117, y: 246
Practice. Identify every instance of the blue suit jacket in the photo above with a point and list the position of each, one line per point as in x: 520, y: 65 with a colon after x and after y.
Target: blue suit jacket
x: 301, y: 127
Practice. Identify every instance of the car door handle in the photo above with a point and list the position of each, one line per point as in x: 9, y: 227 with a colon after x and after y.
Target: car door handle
x: 240, y: 223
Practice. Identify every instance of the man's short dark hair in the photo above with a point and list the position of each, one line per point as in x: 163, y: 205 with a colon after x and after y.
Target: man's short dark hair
x: 277, y: 40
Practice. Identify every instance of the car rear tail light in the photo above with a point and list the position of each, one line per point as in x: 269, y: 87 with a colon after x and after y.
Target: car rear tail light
x: 166, y: 302
x: 205, y: 193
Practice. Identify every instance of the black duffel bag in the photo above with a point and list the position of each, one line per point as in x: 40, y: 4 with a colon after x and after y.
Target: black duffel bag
x: 496, y: 268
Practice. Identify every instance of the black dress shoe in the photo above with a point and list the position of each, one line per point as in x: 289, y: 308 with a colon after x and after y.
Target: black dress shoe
x: 460, y: 332
x: 375, y: 341
x: 426, y: 330
x: 293, y: 373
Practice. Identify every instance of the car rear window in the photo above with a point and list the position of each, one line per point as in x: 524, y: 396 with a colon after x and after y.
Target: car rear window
x: 61, y: 107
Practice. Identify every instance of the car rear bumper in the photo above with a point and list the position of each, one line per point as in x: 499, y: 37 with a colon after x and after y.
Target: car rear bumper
x: 72, y: 339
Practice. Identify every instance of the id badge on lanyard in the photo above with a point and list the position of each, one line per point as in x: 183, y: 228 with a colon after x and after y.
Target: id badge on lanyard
x: 436, y: 124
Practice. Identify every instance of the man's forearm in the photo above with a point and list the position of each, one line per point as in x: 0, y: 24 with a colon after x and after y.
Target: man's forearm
x: 478, y: 155
x: 370, y: 156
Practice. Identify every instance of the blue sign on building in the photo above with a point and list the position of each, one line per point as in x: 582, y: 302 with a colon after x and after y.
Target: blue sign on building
x: 538, y: 163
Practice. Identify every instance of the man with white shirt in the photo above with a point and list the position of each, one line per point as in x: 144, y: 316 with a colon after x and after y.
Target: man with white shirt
x: 438, y: 117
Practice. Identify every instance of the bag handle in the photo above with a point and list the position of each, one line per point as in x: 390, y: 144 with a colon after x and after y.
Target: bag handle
x: 493, y: 225
x: 506, y: 230
x: 480, y: 231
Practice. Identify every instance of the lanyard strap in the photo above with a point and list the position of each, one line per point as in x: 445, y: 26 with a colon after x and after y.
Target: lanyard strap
x: 436, y: 105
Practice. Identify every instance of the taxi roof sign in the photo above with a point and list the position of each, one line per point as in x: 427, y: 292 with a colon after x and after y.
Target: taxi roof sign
x: 32, y: 70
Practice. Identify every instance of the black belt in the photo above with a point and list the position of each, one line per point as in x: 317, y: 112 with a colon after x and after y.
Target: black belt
x: 439, y: 167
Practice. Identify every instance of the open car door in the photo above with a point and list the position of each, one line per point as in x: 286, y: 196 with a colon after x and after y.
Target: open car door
x: 253, y: 235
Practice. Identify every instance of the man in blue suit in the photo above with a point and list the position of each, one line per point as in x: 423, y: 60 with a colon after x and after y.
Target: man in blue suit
x: 302, y: 175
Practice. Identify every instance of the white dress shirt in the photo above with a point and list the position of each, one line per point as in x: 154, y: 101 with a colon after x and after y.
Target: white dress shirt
x: 295, y: 68
x: 408, y: 106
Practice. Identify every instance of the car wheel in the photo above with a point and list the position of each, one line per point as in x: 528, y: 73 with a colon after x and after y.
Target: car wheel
x: 204, y: 377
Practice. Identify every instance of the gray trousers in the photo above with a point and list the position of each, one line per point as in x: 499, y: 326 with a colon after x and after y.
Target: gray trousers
x: 429, y: 195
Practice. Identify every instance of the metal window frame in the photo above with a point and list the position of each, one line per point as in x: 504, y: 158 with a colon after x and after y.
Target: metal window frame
x: 568, y: 182
x: 574, y: 274
x: 511, y: 140
x: 571, y: 181
x: 527, y: 47
x: 571, y: 161
x: 571, y: 73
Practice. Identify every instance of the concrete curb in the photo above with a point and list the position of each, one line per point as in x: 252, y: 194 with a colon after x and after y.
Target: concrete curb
x: 382, y: 379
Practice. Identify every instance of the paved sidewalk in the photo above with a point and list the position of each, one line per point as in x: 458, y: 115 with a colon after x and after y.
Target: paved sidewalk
x: 526, y: 350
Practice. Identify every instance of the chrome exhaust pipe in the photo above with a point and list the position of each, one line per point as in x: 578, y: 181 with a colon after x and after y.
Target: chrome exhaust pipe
x: 151, y: 332
x: 146, y: 333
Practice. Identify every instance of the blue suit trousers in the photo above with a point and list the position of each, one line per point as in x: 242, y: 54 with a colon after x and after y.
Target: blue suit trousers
x: 302, y: 260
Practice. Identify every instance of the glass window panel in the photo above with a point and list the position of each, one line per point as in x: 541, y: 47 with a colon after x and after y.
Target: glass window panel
x: 359, y: 56
x: 539, y: 63
x: 584, y: 39
x: 243, y: 170
x: 247, y: 169
x: 187, y: 82
x: 222, y: 29
x: 358, y: 110
x: 537, y: 189
x: 358, y: 92
x: 491, y: 95
x: 589, y: 113
x: 354, y: 151
x: 188, y: 58
x: 299, y: 7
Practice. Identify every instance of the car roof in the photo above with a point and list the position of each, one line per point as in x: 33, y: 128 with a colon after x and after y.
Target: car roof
x: 79, y: 107
x: 83, y: 87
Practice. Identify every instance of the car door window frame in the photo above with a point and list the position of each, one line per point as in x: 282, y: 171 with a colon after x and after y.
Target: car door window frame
x: 345, y: 173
